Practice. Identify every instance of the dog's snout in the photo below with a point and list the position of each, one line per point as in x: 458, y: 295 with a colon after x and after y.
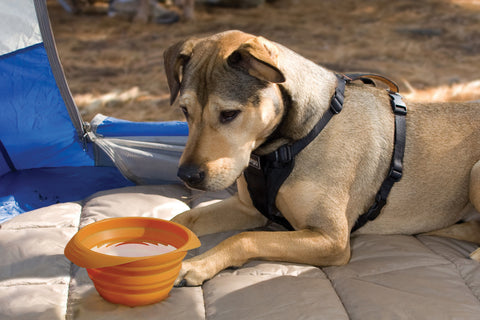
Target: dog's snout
x: 191, y: 175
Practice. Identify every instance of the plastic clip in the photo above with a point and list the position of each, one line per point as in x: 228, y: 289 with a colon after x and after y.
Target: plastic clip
x: 399, y: 107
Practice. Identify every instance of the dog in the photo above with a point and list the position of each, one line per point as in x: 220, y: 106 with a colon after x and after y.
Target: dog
x: 241, y: 94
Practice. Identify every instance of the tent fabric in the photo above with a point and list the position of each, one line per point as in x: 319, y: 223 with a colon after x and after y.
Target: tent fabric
x: 36, y: 128
x: 40, y: 142
x: 48, y: 154
x: 104, y: 126
x: 20, y: 20
x: 150, y: 156
x: 25, y: 190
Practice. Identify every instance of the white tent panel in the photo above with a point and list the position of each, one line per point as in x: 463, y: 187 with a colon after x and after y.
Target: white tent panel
x: 20, y: 19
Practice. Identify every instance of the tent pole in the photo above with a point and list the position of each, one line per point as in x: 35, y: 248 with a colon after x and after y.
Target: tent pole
x: 57, y: 69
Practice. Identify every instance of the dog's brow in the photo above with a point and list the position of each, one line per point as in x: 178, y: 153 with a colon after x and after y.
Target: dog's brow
x: 186, y: 99
x: 204, y: 72
x: 218, y: 104
x: 203, y: 64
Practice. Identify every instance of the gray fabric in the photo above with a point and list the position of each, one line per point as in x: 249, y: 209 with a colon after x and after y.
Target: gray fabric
x: 401, y: 277
x: 388, y: 277
x: 145, y: 160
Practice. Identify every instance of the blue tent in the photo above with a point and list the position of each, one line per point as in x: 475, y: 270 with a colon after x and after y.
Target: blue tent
x: 48, y: 154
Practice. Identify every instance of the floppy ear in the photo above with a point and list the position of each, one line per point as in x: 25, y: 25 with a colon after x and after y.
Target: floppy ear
x: 259, y: 58
x: 175, y: 58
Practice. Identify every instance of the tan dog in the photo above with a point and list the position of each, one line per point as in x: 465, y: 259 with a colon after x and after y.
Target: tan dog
x: 236, y: 90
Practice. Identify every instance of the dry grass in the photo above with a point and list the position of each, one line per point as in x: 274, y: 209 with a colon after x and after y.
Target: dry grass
x: 430, y: 47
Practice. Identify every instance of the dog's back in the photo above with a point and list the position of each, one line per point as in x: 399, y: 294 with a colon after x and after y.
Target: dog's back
x: 443, y: 145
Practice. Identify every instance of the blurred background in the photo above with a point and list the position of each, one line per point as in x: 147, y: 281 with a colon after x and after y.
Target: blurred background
x: 112, y: 51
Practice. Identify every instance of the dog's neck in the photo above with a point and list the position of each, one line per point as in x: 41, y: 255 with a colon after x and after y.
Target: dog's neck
x: 306, y: 96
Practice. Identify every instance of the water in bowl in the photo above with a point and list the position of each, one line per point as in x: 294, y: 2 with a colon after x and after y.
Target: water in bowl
x: 133, y: 249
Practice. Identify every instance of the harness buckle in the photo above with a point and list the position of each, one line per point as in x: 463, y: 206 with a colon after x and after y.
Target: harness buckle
x: 399, y: 107
x: 336, y: 104
x: 376, y: 207
x: 283, y: 154
x: 395, y: 174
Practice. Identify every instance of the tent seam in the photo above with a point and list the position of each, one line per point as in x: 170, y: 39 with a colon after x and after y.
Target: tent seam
x: 21, y: 50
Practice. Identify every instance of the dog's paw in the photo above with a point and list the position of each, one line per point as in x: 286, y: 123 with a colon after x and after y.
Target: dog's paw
x: 475, y: 255
x: 193, y: 273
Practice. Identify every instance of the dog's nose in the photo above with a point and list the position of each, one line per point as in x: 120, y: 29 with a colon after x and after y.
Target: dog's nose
x: 190, y: 174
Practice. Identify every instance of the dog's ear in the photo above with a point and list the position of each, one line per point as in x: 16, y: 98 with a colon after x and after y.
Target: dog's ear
x: 259, y: 58
x: 175, y: 59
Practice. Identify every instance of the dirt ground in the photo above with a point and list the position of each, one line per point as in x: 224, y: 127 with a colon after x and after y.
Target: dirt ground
x: 431, y: 48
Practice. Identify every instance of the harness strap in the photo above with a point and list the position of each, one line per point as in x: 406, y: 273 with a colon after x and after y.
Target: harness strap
x: 287, y: 152
x: 369, y: 78
x: 265, y: 174
x: 396, y: 165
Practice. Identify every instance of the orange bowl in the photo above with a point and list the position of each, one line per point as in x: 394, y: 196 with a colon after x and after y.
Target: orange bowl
x: 131, y: 280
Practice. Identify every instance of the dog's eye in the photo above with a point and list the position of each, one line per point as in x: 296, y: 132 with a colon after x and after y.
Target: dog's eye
x: 185, y: 111
x: 227, y: 116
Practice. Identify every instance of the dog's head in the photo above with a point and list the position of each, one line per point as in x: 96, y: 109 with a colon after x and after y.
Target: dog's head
x: 226, y: 85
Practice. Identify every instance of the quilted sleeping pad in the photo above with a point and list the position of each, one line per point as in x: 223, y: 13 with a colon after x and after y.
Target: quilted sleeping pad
x: 388, y: 277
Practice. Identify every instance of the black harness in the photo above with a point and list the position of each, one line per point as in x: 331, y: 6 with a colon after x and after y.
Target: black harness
x: 266, y: 173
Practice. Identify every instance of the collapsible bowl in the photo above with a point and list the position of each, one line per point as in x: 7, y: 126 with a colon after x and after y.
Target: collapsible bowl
x: 132, y: 281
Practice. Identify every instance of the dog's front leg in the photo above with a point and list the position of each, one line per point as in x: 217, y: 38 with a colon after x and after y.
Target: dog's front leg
x: 228, y: 214
x: 303, y: 246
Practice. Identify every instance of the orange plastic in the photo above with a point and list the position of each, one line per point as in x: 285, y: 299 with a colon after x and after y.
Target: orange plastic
x: 132, y: 281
